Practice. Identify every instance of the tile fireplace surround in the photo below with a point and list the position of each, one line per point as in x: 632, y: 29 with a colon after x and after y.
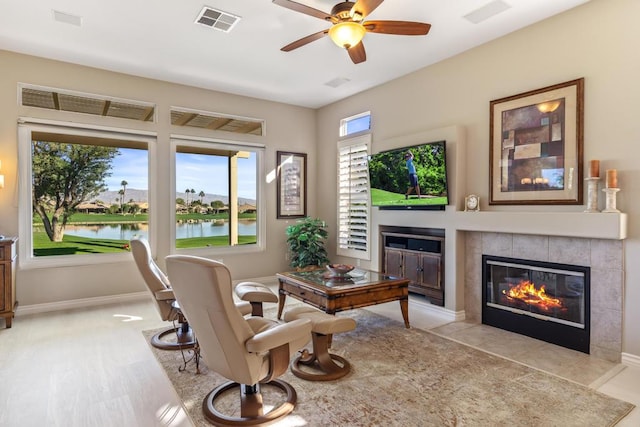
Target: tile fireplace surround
x: 604, y: 256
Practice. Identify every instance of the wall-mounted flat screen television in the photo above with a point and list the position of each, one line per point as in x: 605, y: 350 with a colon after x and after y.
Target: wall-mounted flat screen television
x: 412, y: 177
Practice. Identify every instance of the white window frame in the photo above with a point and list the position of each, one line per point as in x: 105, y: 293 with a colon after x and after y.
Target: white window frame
x: 26, y: 126
x: 344, y: 124
x: 346, y: 200
x: 192, y: 141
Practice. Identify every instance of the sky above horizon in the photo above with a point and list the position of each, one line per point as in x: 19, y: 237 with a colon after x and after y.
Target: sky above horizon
x: 194, y: 171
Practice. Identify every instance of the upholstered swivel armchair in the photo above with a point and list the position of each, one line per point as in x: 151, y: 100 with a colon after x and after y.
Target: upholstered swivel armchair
x: 247, y: 351
x: 158, y: 284
x: 160, y: 288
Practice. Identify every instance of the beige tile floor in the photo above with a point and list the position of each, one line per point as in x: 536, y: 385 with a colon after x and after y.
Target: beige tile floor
x: 91, y: 367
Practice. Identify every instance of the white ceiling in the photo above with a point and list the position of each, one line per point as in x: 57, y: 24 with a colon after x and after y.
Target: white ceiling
x: 159, y: 39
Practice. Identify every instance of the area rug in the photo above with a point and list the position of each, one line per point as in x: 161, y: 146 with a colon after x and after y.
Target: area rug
x: 410, y: 377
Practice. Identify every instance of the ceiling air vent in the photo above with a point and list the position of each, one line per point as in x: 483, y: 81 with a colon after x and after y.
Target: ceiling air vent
x: 67, y: 18
x: 487, y: 11
x: 338, y: 81
x: 217, y: 19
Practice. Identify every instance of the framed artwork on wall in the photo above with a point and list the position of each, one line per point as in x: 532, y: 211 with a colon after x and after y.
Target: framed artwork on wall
x: 292, y: 185
x: 535, y: 146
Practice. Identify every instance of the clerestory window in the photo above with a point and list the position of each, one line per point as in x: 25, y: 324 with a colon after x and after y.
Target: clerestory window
x: 355, y: 124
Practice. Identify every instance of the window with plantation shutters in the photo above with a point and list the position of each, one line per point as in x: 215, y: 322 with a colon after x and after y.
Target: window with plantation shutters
x: 353, y: 197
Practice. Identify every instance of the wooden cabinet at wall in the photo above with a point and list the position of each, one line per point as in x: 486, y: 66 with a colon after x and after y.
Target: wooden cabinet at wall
x: 419, y: 259
x: 8, y: 302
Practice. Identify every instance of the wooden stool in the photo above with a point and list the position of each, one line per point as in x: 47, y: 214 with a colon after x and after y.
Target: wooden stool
x: 323, y: 326
x: 255, y: 293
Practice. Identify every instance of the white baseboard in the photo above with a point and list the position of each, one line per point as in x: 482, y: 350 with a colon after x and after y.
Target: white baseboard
x: 630, y: 360
x: 444, y: 313
x: 81, y: 302
x: 111, y: 299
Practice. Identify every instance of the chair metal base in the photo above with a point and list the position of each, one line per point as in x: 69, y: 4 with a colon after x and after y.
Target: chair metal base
x: 251, y: 408
x: 185, y: 338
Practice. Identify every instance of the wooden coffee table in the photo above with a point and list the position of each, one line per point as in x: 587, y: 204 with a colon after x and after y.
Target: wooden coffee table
x: 361, y: 288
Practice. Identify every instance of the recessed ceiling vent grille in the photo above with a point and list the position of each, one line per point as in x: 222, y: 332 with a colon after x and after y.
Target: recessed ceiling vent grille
x: 487, y: 11
x: 217, y: 19
x: 56, y: 99
x: 214, y: 121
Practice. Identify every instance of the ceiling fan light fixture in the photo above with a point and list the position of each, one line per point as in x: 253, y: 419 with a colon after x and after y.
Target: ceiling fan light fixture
x: 347, y: 34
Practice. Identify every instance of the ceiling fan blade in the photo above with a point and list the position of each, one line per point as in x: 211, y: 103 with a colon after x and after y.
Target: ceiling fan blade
x: 357, y: 53
x: 305, y: 40
x: 405, y: 28
x: 364, y: 7
x: 298, y: 7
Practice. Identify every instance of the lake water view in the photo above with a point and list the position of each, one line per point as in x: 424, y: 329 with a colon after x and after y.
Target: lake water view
x: 184, y: 230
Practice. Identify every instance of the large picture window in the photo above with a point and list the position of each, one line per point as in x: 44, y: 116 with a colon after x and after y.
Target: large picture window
x: 83, y: 192
x: 217, y: 195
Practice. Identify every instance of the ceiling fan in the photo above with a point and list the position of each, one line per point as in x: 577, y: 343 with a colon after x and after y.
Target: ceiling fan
x: 349, y: 26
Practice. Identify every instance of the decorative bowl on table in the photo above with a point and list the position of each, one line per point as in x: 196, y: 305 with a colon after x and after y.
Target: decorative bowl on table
x: 339, y: 270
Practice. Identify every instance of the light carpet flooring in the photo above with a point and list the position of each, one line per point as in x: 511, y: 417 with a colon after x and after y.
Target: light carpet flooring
x: 92, y: 367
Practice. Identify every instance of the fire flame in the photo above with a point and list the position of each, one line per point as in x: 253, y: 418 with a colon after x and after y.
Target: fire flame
x: 526, y: 292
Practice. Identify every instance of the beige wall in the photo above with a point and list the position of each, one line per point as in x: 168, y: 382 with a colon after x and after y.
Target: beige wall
x: 597, y: 41
x: 288, y: 128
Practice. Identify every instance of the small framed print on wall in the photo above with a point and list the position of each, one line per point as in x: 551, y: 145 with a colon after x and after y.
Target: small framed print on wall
x: 292, y: 185
x: 535, y: 146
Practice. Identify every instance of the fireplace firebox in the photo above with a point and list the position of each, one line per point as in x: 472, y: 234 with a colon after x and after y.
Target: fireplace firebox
x: 542, y: 300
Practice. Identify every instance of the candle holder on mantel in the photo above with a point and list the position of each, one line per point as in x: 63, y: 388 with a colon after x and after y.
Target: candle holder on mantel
x: 611, y: 199
x: 592, y: 194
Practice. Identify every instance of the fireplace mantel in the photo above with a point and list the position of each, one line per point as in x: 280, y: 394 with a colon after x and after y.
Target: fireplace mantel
x: 569, y: 224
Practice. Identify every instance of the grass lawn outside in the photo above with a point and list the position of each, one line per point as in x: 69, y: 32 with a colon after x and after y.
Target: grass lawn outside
x: 201, y: 242
x: 82, y: 218
x: 74, y: 245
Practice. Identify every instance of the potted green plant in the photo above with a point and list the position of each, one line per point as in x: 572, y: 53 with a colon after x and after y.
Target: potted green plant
x: 305, y: 241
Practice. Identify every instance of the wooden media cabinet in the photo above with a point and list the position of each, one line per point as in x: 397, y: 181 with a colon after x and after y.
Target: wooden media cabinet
x: 417, y: 255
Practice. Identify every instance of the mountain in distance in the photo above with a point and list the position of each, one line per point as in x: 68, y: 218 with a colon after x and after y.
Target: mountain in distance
x: 112, y: 197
